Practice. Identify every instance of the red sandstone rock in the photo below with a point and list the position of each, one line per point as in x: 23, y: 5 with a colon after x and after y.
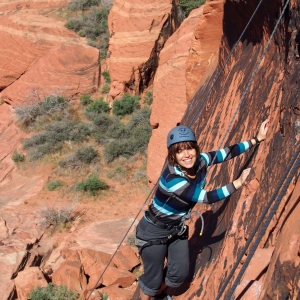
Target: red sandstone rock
x: 103, y: 236
x: 116, y: 293
x: 138, y: 31
x: 119, y: 277
x: 70, y: 274
x: 204, y: 51
x: 126, y: 258
x: 28, y: 280
x: 169, y: 92
x: 47, y: 59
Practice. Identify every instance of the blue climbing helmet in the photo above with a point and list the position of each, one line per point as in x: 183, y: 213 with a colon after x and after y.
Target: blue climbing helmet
x: 180, y: 134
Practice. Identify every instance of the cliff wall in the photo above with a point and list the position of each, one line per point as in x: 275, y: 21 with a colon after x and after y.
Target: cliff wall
x: 273, y: 93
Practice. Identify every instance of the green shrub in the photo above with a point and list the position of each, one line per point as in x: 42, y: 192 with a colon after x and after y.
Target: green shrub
x: 106, y: 76
x: 52, y: 292
x: 117, y: 172
x: 18, y: 157
x: 116, y: 129
x: 92, y: 184
x: 98, y: 106
x: 86, y: 99
x: 82, y: 4
x: 51, y: 140
x: 105, y: 88
x: 149, y: 98
x: 54, y: 185
x: 126, y: 105
x: 86, y: 154
x: 188, y: 5
x: 138, y: 118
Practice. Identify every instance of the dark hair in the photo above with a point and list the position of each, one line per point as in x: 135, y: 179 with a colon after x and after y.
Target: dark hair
x: 173, y: 149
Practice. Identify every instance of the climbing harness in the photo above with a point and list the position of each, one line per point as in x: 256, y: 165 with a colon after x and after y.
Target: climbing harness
x: 275, y: 200
x: 176, y: 229
x: 156, y: 184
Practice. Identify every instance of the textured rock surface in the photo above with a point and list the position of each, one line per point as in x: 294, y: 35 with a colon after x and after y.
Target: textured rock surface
x: 21, y: 233
x: 28, y: 280
x: 169, y: 92
x: 272, y: 93
x: 46, y: 59
x: 15, y: 186
x: 138, y: 32
x: 204, y: 51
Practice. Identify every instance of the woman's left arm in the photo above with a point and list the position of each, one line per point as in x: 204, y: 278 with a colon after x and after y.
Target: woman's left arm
x: 221, y: 155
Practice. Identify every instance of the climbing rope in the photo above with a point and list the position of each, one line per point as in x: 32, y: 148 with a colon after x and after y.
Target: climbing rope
x: 222, y: 69
x: 284, y: 184
x: 95, y: 286
x: 196, y: 115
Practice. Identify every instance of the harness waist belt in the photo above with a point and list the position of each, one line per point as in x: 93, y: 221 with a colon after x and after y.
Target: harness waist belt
x: 159, y: 224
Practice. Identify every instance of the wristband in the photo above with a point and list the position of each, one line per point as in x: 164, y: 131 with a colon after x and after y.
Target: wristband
x: 256, y: 140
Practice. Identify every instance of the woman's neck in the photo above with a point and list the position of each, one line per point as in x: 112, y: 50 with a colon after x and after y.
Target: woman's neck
x: 188, y: 172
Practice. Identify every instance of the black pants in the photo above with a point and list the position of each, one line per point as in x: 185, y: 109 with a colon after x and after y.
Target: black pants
x: 176, y: 251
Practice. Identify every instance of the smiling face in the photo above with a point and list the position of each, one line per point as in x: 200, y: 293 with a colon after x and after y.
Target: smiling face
x: 186, y: 157
x: 184, y: 154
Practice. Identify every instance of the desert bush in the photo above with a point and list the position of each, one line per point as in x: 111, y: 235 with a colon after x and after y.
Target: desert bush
x: 105, y: 88
x: 116, y: 129
x: 53, y: 292
x: 97, y: 107
x: 74, y: 24
x: 82, y: 4
x: 117, y: 172
x: 106, y: 76
x: 54, y: 185
x: 51, y: 140
x: 86, y: 154
x: 56, y: 216
x: 149, y: 98
x: 126, y: 105
x: 92, y: 184
x: 188, y: 5
x: 18, y: 157
x: 51, y: 105
x: 71, y: 162
x: 138, y: 118
x: 86, y: 99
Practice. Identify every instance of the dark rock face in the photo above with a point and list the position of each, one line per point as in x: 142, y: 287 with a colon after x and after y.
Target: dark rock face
x: 231, y: 110
x: 274, y: 93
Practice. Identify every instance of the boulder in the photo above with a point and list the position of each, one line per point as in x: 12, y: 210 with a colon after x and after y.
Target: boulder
x: 119, y: 277
x: 138, y: 31
x: 114, y: 292
x: 126, y: 258
x: 71, y: 274
x: 28, y: 280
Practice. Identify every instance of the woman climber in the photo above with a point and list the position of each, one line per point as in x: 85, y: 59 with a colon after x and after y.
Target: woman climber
x: 161, y: 233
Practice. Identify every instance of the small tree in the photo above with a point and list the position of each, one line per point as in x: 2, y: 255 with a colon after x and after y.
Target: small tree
x: 98, y: 106
x: 86, y: 99
x: 106, y: 76
x: 126, y: 105
x: 86, y: 154
x: 92, y: 184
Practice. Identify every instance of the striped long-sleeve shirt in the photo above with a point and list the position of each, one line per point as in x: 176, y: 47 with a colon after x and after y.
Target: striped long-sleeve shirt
x: 177, y: 193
